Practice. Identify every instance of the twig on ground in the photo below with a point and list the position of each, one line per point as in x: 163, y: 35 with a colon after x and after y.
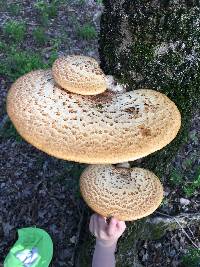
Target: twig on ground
x: 196, y: 246
x: 182, y: 221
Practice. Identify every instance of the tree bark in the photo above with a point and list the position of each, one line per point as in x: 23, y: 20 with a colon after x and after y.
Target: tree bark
x: 152, y: 44
x: 155, y: 44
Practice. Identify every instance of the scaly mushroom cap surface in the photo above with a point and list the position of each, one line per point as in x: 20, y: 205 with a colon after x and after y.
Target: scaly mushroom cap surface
x: 127, y: 194
x: 79, y: 74
x: 107, y: 128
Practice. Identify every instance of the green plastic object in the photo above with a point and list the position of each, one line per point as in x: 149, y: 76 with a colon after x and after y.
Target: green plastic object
x: 31, y: 239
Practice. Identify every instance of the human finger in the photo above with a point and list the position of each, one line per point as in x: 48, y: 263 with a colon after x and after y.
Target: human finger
x: 101, y: 221
x: 101, y: 224
x: 112, y: 227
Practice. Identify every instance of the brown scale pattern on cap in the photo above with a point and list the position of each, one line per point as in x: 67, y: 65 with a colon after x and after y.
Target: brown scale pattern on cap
x: 127, y: 194
x: 110, y: 128
x: 79, y: 74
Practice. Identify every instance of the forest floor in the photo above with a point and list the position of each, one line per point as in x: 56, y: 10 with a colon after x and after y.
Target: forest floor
x: 39, y: 190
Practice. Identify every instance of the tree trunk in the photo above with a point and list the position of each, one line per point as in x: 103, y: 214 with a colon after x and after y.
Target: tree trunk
x: 151, y: 44
x: 155, y: 44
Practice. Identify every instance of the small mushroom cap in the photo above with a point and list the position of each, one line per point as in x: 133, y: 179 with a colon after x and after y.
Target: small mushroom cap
x: 79, y: 74
x: 127, y: 194
x: 107, y: 128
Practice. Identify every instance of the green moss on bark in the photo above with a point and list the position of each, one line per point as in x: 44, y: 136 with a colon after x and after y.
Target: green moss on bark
x: 155, y: 44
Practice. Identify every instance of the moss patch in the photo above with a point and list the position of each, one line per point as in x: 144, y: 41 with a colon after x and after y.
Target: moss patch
x: 158, y: 49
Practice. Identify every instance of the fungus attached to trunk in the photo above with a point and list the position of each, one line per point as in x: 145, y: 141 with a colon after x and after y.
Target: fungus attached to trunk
x: 79, y: 74
x: 107, y: 128
x: 126, y: 194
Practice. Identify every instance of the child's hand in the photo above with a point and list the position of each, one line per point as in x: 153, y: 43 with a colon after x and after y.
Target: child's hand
x: 106, y: 234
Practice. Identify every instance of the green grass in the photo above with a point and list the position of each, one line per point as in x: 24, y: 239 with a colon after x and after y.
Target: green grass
x: 56, y: 42
x: 18, y: 62
x: 17, y: 58
x: 188, y: 187
x: 191, y: 258
x: 48, y: 10
x: 192, y: 187
x: 10, y: 8
x: 14, y: 8
x: 9, y: 131
x: 3, y: 46
x: 52, y: 58
x: 176, y: 177
x: 40, y: 36
x: 3, y: 5
x: 14, y: 30
x: 99, y: 2
x: 188, y: 163
x: 86, y: 32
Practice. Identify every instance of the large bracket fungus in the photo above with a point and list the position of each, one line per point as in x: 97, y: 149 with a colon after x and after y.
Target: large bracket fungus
x: 110, y: 127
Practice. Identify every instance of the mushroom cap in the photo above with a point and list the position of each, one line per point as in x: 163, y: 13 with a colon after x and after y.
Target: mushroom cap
x: 127, y: 194
x: 107, y: 128
x: 79, y: 74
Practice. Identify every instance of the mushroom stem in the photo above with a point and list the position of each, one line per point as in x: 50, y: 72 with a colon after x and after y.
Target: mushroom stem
x: 113, y: 86
x: 123, y: 165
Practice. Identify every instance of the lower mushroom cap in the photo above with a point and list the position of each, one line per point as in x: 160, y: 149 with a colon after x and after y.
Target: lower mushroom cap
x: 126, y: 194
x: 107, y: 128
